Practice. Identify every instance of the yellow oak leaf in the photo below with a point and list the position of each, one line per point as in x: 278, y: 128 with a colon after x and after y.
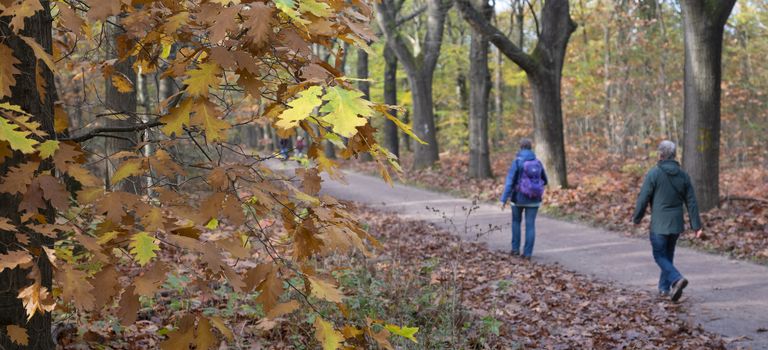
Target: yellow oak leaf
x: 346, y: 110
x: 121, y: 82
x: 207, y: 75
x: 324, y: 290
x: 317, y: 8
x: 176, y: 118
x: 17, y: 334
x: 17, y: 139
x: 7, y: 70
x: 405, y: 332
x: 206, y: 116
x: 328, y: 337
x: 300, y: 108
x: 60, y: 119
x: 143, y: 247
x: 48, y: 148
x: 130, y: 167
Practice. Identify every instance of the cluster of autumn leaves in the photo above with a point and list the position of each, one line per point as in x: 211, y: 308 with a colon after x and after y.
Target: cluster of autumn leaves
x: 257, y: 229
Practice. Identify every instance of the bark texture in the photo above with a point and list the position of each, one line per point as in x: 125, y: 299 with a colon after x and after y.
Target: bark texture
x: 25, y: 95
x: 121, y: 103
x: 480, y: 86
x: 703, y: 25
x: 391, y: 141
x: 544, y: 70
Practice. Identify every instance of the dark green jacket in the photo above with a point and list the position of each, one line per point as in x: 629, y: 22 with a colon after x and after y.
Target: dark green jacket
x: 667, y: 193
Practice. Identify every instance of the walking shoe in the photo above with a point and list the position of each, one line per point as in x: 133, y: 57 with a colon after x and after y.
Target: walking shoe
x: 527, y: 257
x: 663, y: 294
x: 514, y: 253
x: 677, y: 288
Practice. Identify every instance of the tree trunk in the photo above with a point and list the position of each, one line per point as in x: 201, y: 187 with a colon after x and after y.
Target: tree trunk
x: 703, y: 23
x: 480, y: 85
x: 25, y: 95
x: 364, y: 86
x: 122, y: 103
x: 391, y: 141
x: 544, y: 69
x: 423, y: 121
x: 548, y: 126
x: 419, y: 65
x: 498, y: 101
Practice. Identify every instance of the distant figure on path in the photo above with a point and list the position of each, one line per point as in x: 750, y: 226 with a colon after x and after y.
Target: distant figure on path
x: 299, y: 145
x: 666, y: 188
x: 285, y: 144
x: 524, y: 185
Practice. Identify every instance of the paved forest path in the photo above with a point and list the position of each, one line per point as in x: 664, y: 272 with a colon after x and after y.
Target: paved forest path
x: 726, y: 296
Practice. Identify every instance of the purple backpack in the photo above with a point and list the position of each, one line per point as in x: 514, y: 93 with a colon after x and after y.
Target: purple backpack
x: 531, y: 184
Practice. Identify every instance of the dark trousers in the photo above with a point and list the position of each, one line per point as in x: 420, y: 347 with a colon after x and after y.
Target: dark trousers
x: 530, y: 228
x: 664, y: 255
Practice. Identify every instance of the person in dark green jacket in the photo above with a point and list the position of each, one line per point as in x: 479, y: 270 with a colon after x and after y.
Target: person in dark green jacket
x: 666, y: 188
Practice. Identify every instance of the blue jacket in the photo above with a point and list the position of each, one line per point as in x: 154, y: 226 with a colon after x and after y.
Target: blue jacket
x: 513, y: 176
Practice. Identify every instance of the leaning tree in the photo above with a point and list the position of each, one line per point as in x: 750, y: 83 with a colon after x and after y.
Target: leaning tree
x: 544, y: 68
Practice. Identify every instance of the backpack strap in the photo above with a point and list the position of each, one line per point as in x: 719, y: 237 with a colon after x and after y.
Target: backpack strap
x: 679, y: 194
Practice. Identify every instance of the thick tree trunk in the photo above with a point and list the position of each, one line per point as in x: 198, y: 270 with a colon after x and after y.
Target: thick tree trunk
x: 25, y: 95
x: 703, y: 23
x: 423, y: 121
x: 125, y: 104
x: 544, y: 68
x: 364, y: 86
x: 480, y: 86
x: 548, y: 125
x: 419, y: 65
x: 391, y: 141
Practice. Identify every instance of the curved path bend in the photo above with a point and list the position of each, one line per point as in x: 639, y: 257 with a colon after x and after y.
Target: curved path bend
x: 725, y: 296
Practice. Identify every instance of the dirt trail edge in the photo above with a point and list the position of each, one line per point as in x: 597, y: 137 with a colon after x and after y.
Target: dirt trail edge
x: 725, y: 296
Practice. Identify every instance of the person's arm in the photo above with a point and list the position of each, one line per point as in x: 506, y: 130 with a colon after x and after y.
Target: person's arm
x: 646, y: 192
x: 692, y: 205
x: 544, y: 175
x: 508, y: 182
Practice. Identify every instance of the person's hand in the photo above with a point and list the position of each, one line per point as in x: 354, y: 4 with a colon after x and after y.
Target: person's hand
x: 699, y: 233
x: 503, y: 206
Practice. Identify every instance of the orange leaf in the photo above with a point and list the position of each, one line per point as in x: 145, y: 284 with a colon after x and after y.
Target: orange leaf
x: 17, y: 334
x: 75, y: 287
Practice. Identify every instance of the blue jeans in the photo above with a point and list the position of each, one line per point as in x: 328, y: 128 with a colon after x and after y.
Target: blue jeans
x: 664, y: 255
x: 530, y: 228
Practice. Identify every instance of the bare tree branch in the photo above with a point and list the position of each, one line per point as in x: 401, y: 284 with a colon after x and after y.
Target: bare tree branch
x: 506, y: 46
x: 100, y: 131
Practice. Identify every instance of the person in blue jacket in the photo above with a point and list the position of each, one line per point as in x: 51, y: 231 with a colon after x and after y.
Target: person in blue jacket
x: 524, y: 171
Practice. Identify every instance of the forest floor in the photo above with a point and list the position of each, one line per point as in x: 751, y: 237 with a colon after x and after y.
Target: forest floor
x: 602, y: 193
x: 726, y: 296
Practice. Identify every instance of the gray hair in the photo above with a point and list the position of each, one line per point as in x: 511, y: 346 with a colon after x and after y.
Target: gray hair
x: 667, y: 150
x: 526, y: 144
